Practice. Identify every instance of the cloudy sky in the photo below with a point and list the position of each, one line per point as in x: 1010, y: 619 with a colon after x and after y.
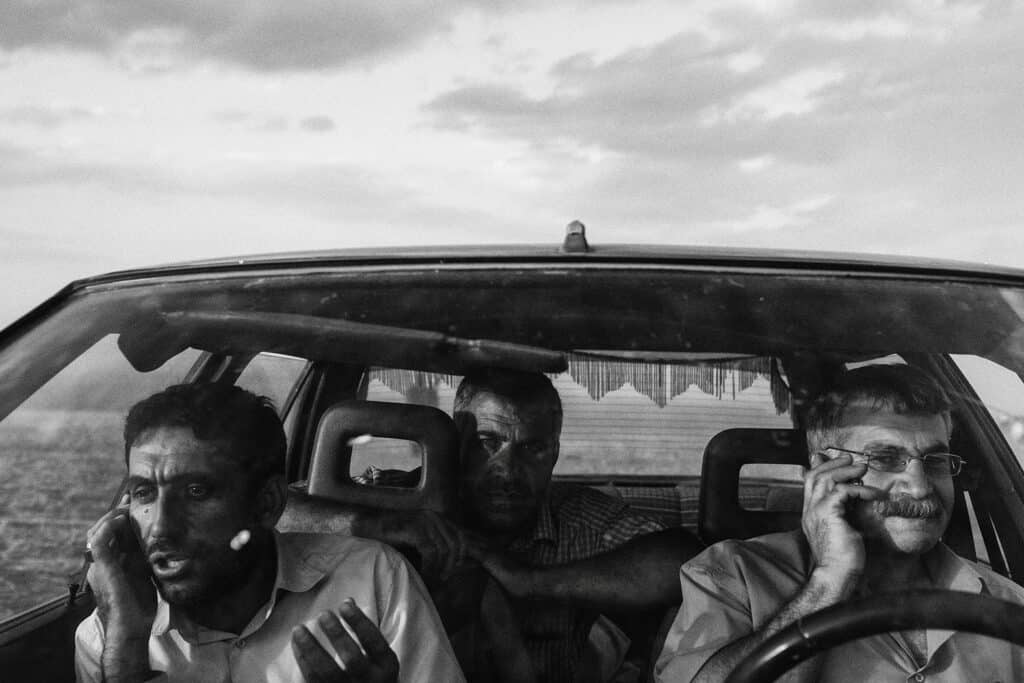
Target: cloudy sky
x: 137, y: 132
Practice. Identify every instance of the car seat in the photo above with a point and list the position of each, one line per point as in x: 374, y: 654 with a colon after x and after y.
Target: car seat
x: 721, y: 514
x: 347, y: 422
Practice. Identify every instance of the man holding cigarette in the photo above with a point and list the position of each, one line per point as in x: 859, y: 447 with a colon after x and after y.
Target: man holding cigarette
x: 192, y: 583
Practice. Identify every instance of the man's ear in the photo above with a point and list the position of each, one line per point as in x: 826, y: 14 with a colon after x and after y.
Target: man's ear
x: 270, y: 501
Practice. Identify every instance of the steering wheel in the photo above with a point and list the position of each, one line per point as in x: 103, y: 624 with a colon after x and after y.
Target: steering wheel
x: 838, y: 624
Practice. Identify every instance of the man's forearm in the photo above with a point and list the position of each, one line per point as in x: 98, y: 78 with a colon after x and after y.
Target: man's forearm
x: 640, y: 574
x: 125, y: 658
x: 819, y: 592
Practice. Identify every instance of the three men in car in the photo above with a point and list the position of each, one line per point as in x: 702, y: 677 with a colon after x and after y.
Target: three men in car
x: 877, y: 499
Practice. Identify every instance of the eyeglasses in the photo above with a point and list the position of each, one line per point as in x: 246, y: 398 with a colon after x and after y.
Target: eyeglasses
x: 897, y: 461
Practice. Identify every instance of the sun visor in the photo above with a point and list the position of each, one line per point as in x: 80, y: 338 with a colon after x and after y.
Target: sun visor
x: 150, y: 343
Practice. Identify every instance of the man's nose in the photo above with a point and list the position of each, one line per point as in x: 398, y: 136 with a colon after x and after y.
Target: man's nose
x: 503, y: 461
x: 914, y: 479
x: 162, y: 517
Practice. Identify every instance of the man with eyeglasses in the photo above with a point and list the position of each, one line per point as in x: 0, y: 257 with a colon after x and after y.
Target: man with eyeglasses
x: 877, y: 499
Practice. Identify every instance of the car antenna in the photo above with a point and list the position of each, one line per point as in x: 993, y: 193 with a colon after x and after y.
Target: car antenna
x: 575, y: 239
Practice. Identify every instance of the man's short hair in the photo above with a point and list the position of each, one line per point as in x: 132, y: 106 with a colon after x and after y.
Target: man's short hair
x: 244, y: 425
x: 521, y: 388
x: 902, y: 389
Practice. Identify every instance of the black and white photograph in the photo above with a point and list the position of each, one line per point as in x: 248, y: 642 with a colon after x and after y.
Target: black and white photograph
x: 442, y: 341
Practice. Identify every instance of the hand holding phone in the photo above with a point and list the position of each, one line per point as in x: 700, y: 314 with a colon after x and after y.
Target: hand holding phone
x: 119, y: 576
x: 831, y: 487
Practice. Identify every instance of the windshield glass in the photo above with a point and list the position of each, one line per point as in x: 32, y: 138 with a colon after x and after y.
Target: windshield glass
x: 650, y: 363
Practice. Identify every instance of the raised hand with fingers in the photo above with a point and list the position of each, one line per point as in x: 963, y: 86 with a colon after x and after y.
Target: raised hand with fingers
x: 831, y: 487
x: 125, y: 596
x: 375, y: 662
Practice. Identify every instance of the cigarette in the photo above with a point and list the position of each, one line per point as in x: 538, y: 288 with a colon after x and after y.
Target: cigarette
x: 240, y: 539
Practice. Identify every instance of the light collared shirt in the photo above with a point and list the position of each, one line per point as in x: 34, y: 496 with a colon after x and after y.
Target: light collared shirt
x: 315, y: 573
x: 736, y: 587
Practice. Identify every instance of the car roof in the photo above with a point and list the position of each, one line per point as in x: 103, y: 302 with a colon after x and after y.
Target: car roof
x: 498, y: 255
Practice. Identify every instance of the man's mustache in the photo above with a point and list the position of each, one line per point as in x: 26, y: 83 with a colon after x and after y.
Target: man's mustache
x: 505, y: 486
x: 166, y: 548
x: 905, y: 506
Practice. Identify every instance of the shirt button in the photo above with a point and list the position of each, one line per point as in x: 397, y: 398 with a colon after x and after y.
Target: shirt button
x: 240, y: 643
x: 918, y: 677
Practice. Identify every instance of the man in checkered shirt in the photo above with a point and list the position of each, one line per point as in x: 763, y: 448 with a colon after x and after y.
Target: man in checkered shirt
x: 555, y: 556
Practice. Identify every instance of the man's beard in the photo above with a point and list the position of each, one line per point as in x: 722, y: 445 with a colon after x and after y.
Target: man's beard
x: 215, y: 582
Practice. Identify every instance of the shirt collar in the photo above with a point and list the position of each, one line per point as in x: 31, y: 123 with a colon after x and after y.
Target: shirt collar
x: 300, y: 566
x: 952, y: 572
x: 544, y: 529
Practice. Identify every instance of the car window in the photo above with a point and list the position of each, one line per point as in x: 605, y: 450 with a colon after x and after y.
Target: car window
x: 629, y: 417
x: 1002, y: 393
x: 273, y: 375
x: 61, y: 459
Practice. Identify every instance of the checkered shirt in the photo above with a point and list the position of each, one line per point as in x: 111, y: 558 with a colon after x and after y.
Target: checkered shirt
x: 574, y: 523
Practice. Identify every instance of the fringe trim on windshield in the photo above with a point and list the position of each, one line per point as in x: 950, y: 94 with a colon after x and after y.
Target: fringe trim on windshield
x: 599, y: 376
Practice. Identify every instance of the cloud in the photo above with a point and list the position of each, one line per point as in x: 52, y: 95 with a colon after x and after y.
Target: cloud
x: 755, y: 164
x: 260, y: 121
x: 756, y: 84
x: 337, y: 193
x: 772, y: 85
x: 774, y: 217
x: 256, y: 34
x: 47, y: 117
x: 682, y: 98
x: 795, y: 95
x: 318, y: 124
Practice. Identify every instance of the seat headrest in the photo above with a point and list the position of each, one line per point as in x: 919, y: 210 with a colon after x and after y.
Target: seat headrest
x: 432, y: 429
x: 720, y: 514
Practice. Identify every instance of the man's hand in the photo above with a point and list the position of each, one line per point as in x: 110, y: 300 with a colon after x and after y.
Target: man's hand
x: 443, y: 547
x: 125, y: 596
x: 829, y: 488
x: 378, y: 665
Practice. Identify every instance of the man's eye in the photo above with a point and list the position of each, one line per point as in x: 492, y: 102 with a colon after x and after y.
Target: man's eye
x: 198, y: 491
x: 887, y: 462
x: 537, y: 448
x: 142, y: 493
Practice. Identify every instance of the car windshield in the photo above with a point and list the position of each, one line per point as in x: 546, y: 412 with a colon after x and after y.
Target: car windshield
x: 651, y: 362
